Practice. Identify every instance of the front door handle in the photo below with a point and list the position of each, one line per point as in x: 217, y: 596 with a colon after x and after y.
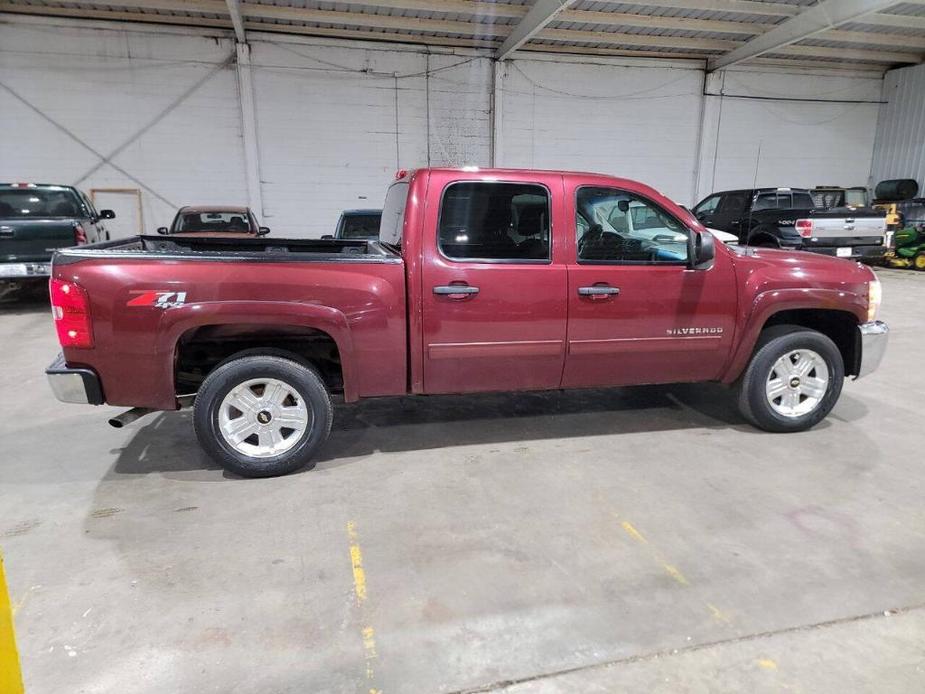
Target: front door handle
x: 456, y: 291
x: 598, y: 290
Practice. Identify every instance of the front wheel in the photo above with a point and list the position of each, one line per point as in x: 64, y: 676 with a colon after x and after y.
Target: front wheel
x: 261, y: 416
x: 793, y: 380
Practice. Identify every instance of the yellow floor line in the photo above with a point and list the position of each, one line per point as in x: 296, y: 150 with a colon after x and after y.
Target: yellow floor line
x: 359, y: 588
x: 668, y: 568
x: 10, y: 673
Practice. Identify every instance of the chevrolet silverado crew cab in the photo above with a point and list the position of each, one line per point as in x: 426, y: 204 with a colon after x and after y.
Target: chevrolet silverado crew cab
x: 482, y: 280
x: 35, y: 220
x: 789, y: 218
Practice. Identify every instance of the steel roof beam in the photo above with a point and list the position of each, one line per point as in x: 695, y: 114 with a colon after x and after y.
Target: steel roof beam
x: 234, y: 9
x: 537, y: 17
x: 828, y: 14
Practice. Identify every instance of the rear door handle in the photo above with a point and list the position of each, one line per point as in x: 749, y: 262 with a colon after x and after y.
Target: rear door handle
x: 598, y: 290
x: 461, y: 290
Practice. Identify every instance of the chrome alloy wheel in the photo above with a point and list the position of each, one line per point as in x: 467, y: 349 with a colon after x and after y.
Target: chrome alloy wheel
x: 797, y: 383
x: 263, y: 417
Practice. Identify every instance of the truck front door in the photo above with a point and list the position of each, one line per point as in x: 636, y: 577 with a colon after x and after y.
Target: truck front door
x: 637, y: 313
x: 494, y: 302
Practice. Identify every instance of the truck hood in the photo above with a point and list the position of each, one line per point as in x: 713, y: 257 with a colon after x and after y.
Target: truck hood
x: 764, y: 269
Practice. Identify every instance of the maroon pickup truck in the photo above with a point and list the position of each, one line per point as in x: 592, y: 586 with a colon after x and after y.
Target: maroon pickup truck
x: 482, y: 280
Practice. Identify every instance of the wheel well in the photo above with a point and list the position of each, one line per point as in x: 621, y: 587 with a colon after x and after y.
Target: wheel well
x: 200, y: 350
x: 838, y: 326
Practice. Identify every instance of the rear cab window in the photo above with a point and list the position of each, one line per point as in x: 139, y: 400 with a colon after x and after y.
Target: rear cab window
x: 393, y: 213
x: 39, y: 203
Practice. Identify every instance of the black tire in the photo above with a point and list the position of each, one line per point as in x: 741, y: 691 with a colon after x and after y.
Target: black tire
x: 774, y: 343
x: 301, y: 377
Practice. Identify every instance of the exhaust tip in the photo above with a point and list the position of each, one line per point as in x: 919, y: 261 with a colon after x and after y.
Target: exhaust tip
x: 116, y: 423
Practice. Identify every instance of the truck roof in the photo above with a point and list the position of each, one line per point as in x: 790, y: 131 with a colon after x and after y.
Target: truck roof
x: 36, y: 185
x: 768, y: 189
x: 194, y: 209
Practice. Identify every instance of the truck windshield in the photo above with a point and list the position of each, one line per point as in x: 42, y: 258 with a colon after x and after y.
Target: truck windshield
x: 360, y: 226
x: 393, y: 213
x: 38, y: 203
x: 213, y: 221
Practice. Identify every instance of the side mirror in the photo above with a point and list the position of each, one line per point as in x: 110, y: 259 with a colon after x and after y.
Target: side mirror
x: 163, y: 230
x: 327, y: 236
x: 107, y: 214
x: 263, y: 231
x: 703, y: 250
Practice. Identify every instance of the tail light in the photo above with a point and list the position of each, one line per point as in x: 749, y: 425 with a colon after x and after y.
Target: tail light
x: 804, y: 227
x: 70, y: 307
x: 80, y: 236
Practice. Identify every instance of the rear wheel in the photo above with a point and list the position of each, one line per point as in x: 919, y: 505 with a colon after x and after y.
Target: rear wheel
x: 793, y: 380
x: 919, y: 261
x: 260, y: 416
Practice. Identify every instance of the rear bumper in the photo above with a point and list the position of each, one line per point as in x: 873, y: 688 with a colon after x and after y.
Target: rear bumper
x: 857, y: 252
x: 25, y: 271
x: 76, y: 385
x: 873, y: 338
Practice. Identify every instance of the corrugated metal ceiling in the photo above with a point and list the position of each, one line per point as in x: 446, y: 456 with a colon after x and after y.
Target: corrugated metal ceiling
x: 662, y: 27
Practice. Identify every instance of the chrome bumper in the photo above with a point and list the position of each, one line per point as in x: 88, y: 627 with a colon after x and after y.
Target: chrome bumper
x: 24, y: 271
x: 76, y: 385
x: 873, y: 336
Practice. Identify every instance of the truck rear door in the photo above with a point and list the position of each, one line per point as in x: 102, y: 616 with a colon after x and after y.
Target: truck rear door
x: 637, y: 312
x: 493, y: 297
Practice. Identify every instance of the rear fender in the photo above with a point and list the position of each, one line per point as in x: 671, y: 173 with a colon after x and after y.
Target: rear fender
x: 768, y: 303
x: 179, y: 320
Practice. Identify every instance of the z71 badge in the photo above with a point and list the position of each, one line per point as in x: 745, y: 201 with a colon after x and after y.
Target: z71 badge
x: 158, y: 299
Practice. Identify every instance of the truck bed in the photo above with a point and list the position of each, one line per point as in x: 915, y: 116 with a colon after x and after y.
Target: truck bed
x: 245, y: 248
x: 160, y: 305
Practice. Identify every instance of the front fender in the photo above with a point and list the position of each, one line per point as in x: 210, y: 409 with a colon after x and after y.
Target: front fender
x: 178, y: 320
x: 768, y: 303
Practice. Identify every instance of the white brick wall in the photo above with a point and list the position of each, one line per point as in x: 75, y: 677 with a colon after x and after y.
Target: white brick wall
x: 105, y: 87
x: 803, y: 143
x: 635, y: 122
x: 330, y: 138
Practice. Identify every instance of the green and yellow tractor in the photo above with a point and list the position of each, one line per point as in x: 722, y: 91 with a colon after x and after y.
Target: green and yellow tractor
x: 908, y: 247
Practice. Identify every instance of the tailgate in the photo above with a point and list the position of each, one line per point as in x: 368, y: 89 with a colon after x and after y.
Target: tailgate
x: 31, y: 240
x: 847, y: 230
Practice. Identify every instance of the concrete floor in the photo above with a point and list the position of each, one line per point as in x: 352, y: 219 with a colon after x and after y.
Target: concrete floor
x: 633, y: 540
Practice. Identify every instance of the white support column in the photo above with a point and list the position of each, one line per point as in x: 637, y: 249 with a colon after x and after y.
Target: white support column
x: 497, y: 112
x: 708, y: 138
x: 249, y: 129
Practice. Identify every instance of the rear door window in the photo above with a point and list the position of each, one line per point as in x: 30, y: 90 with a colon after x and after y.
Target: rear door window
x: 765, y: 201
x: 734, y: 204
x: 495, y: 222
